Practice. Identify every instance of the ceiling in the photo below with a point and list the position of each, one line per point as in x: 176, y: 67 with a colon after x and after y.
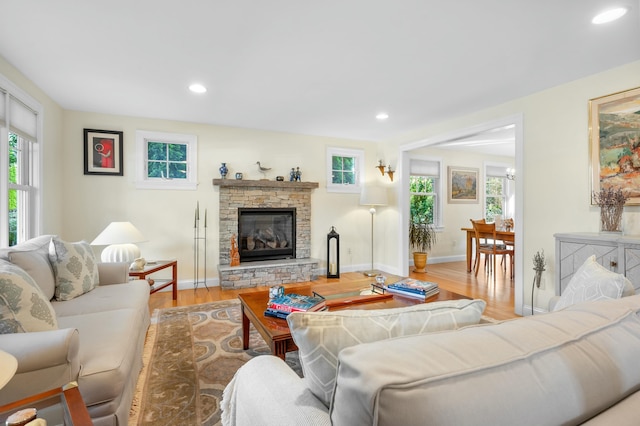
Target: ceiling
x: 317, y: 68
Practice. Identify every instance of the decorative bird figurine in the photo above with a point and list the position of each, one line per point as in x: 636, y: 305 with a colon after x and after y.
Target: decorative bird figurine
x: 263, y: 170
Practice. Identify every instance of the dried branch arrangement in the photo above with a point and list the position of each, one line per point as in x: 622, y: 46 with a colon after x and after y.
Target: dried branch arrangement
x: 539, y: 262
x: 611, y: 204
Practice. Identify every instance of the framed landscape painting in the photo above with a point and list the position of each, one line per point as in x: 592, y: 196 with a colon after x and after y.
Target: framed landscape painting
x: 463, y: 185
x: 102, y: 152
x: 614, y: 140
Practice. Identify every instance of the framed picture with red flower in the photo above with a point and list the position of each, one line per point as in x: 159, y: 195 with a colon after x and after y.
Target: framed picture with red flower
x: 102, y: 152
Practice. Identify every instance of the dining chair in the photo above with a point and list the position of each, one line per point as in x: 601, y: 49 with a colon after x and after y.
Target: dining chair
x: 491, y: 248
x: 482, y: 241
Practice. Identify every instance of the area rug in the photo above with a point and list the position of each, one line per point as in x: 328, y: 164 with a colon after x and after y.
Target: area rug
x: 195, y: 351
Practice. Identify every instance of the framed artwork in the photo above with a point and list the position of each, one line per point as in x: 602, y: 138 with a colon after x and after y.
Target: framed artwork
x: 614, y: 140
x: 463, y: 185
x: 102, y: 152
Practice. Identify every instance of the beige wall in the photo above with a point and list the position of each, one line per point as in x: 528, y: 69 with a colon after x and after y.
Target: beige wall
x: 555, y: 171
x: 165, y: 217
x: 52, y: 185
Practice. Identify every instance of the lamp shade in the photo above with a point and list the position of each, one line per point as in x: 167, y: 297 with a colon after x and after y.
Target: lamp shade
x: 8, y: 367
x: 120, y: 238
x: 119, y: 233
x: 373, y: 195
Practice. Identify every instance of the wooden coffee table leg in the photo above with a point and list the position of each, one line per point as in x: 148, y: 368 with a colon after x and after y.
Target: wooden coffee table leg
x: 279, y: 348
x: 245, y: 329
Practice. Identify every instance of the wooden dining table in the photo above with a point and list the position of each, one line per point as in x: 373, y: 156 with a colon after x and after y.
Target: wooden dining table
x: 504, y: 235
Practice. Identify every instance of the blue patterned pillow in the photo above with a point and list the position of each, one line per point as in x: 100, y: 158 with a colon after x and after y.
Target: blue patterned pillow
x: 75, y: 268
x: 23, y: 306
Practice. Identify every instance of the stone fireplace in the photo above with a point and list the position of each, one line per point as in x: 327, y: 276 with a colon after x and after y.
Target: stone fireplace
x: 240, y: 196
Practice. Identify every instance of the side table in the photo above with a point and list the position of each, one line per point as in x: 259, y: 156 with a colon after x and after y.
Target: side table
x: 151, y: 268
x: 58, y: 406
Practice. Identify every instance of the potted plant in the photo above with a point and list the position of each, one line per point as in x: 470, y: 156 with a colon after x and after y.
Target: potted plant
x: 421, y: 237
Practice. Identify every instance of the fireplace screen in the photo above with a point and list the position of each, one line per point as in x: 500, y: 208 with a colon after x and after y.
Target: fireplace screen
x: 266, y: 233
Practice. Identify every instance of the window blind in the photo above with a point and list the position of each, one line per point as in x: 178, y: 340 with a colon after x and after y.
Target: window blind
x: 424, y: 168
x: 22, y: 119
x: 3, y: 108
x: 496, y: 171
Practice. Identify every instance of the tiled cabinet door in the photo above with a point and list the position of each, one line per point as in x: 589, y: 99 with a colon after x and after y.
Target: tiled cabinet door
x: 615, y: 252
x: 573, y: 249
x: 632, y: 264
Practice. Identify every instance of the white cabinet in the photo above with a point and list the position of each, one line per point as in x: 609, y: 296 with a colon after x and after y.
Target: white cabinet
x: 615, y: 252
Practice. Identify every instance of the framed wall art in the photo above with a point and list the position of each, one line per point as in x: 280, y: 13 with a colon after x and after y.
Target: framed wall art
x: 614, y: 140
x: 463, y: 185
x: 102, y: 152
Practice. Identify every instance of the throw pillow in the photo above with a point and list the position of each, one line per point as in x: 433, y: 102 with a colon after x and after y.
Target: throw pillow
x: 320, y: 336
x: 36, y: 264
x: 592, y: 281
x: 23, y: 307
x: 75, y: 268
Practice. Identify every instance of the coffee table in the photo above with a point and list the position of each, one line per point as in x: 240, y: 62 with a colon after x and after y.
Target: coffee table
x: 276, y: 331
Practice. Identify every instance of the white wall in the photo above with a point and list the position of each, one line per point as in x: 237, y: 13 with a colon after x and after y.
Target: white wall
x: 165, y: 217
x: 555, y: 171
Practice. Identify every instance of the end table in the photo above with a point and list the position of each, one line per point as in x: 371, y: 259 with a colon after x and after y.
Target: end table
x: 156, y: 285
x: 58, y: 406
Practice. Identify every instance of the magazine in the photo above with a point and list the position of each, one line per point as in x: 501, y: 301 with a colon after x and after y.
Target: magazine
x: 413, y: 285
x: 414, y: 294
x: 296, y: 302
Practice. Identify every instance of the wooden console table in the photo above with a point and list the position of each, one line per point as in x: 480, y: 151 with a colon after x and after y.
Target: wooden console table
x: 151, y: 268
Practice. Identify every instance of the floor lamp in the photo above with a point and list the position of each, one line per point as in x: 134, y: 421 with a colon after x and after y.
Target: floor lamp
x: 373, y: 195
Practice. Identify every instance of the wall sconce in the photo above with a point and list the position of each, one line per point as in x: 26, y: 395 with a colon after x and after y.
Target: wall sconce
x: 389, y: 172
x: 511, y: 174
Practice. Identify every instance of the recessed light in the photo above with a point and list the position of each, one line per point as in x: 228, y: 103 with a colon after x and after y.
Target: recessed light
x: 197, y: 88
x: 382, y: 116
x: 609, y: 15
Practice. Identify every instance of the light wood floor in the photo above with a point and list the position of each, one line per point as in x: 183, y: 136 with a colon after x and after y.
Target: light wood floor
x: 450, y: 276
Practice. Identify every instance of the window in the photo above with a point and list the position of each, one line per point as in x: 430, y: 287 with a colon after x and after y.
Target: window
x: 20, y: 125
x: 344, y: 170
x: 425, y: 191
x: 496, y: 192
x: 166, y: 160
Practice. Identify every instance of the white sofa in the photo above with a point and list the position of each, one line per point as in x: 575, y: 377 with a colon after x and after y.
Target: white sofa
x: 98, y: 341
x: 578, y: 365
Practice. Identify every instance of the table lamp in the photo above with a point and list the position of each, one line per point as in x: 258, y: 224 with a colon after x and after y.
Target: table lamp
x: 120, y: 237
x: 373, y: 195
x: 8, y: 368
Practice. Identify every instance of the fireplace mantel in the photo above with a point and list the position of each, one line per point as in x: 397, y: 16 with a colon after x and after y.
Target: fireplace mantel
x: 241, y: 183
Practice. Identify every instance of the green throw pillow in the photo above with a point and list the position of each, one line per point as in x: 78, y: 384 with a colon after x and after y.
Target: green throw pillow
x: 320, y: 336
x: 75, y: 268
x: 23, y: 306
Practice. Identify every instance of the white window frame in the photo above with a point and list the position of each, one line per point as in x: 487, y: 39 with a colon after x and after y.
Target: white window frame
x: 358, y: 154
x: 143, y: 137
x: 438, y: 191
x: 30, y: 224
x: 508, y: 188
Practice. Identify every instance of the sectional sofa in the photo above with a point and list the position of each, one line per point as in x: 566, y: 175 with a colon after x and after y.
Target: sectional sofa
x: 66, y: 317
x: 578, y: 365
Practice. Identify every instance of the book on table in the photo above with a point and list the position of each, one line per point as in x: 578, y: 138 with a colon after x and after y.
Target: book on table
x: 282, y: 306
x: 413, y: 288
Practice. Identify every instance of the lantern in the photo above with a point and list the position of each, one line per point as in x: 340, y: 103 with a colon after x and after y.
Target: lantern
x: 333, y: 254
